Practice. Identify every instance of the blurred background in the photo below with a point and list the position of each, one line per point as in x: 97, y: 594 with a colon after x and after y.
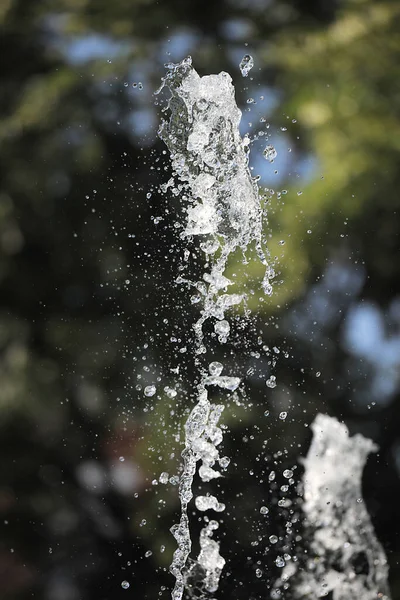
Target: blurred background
x: 90, y: 314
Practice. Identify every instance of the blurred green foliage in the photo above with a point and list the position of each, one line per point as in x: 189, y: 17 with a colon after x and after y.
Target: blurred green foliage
x: 90, y: 314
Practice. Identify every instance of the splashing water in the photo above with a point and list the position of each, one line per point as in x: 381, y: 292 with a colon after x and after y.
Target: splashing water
x: 212, y: 176
x: 345, y: 558
x: 213, y: 180
x: 210, y: 162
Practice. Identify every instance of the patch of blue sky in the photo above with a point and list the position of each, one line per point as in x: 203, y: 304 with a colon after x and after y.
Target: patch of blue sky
x: 364, y: 336
x: 266, y: 100
x: 344, y: 278
x: 182, y: 43
x: 143, y: 126
x: 326, y: 300
x: 384, y: 386
x: 237, y: 29
x: 285, y: 167
x: 363, y: 333
x: 79, y: 50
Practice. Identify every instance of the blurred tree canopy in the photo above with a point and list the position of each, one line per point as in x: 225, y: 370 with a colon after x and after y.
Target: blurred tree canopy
x: 90, y: 313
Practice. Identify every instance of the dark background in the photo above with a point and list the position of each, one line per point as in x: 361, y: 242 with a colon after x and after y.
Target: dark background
x: 90, y: 313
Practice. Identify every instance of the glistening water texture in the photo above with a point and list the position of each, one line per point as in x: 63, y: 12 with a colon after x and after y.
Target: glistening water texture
x: 212, y: 177
x: 344, y: 558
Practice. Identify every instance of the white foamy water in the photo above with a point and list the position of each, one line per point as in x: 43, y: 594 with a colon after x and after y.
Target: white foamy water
x: 345, y: 559
x: 210, y: 163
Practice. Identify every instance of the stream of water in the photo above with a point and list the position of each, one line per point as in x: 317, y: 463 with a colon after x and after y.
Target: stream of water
x: 212, y: 178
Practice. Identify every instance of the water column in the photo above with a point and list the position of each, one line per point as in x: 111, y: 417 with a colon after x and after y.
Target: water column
x: 341, y: 557
x: 212, y: 178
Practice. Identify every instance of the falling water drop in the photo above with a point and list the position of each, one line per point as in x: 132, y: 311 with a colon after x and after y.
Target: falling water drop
x: 273, y: 539
x: 150, y: 390
x: 163, y: 478
x: 246, y: 64
x: 222, y: 328
x: 270, y: 153
x: 215, y: 368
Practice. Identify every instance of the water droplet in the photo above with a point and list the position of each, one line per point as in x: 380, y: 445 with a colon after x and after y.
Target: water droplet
x: 163, y: 477
x: 280, y: 562
x: 270, y: 153
x: 210, y: 246
x: 204, y: 503
x: 246, y: 64
x: 125, y: 585
x: 148, y: 553
x: 288, y: 473
x: 224, y: 462
x: 271, y: 382
x: 215, y: 368
x: 267, y: 287
x: 222, y: 328
x: 121, y: 459
x: 171, y: 393
x: 258, y: 573
x: 264, y: 510
x: 282, y: 415
x: 227, y: 383
x: 150, y: 390
x: 273, y: 539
